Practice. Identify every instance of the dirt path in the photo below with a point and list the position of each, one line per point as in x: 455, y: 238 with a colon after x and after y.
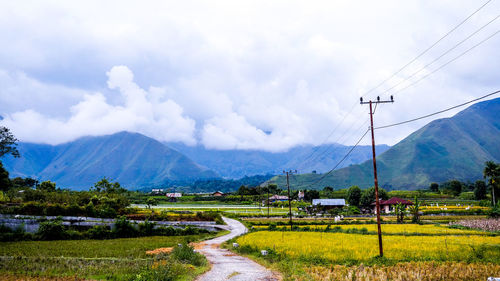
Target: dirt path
x: 229, y: 266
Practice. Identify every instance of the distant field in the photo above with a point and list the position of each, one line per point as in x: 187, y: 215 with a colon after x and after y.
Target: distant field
x: 396, y: 229
x: 116, y: 259
x: 236, y: 209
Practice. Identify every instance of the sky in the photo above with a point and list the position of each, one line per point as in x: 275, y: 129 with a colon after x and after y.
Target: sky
x: 266, y: 75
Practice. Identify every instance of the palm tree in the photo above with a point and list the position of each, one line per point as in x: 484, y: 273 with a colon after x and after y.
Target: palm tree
x: 492, y: 171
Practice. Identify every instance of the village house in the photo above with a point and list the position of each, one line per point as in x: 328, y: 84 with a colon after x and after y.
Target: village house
x: 328, y: 204
x: 387, y: 206
x: 278, y: 198
x: 157, y: 191
x: 218, y: 193
x: 301, y: 195
x: 173, y: 196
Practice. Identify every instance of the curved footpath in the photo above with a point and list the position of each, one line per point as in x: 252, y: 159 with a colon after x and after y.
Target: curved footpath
x: 228, y: 266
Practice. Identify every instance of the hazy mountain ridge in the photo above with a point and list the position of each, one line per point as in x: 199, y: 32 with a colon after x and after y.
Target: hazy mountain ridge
x: 132, y: 159
x: 240, y: 163
x: 444, y: 149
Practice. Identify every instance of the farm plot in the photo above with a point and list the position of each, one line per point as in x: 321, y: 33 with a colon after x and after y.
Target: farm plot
x: 341, y: 248
x: 117, y: 259
x: 401, y: 229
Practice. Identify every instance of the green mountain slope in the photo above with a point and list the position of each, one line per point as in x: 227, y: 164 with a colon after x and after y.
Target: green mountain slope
x: 449, y: 148
x: 132, y: 159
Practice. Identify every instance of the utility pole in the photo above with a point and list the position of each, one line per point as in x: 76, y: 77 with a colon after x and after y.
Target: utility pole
x: 267, y: 201
x: 377, y: 202
x: 289, y: 198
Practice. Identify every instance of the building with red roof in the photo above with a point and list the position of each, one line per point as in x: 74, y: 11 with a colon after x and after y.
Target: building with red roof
x: 387, y: 206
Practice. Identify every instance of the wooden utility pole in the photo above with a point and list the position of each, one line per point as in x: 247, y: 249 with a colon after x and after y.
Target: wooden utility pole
x: 267, y: 201
x: 289, y: 197
x: 377, y: 202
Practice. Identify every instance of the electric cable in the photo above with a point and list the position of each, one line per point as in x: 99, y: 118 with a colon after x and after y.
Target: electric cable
x: 437, y: 112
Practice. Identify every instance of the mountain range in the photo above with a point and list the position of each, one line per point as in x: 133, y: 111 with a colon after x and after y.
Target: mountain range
x: 137, y: 161
x: 239, y: 163
x: 444, y: 149
x: 132, y: 159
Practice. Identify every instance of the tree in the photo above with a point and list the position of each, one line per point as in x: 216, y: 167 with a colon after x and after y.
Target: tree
x: 19, y: 182
x: 107, y: 186
x: 354, y: 195
x: 151, y: 202
x: 399, y: 211
x: 492, y: 171
x: 8, y: 143
x: 48, y: 186
x: 368, y: 196
x: 328, y: 189
x: 5, y: 183
x: 480, y: 190
x: 434, y: 187
x: 453, y: 187
x: 415, y: 211
x: 309, y: 195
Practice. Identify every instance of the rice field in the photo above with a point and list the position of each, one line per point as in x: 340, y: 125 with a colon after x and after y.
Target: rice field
x: 403, y: 229
x: 341, y: 248
x: 423, y: 271
x: 115, y: 259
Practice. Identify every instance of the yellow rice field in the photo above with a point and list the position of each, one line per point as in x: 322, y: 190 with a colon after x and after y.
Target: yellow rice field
x: 423, y: 271
x: 341, y: 247
x: 397, y: 228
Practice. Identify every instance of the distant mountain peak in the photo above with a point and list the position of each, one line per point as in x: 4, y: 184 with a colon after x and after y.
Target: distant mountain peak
x: 130, y: 158
x: 444, y: 149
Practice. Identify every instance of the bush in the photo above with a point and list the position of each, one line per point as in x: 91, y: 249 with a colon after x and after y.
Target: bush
x: 55, y: 210
x: 272, y: 226
x: 74, y: 235
x: 494, y: 213
x: 51, y: 230
x: 186, y: 254
x: 99, y: 232
x: 146, y: 228
x: 166, y: 231
x: 353, y: 210
x: 163, y: 270
x: 123, y: 228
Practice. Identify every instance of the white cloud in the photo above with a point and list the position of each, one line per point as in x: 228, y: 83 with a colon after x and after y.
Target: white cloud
x: 233, y: 74
x: 163, y: 120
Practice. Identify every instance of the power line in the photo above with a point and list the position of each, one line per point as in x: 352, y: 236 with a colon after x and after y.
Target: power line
x: 438, y: 112
x: 394, y: 74
x: 318, y: 147
x: 448, y: 62
x: 343, y: 138
x: 428, y: 49
x: 338, y: 163
x: 315, y: 154
x: 442, y: 55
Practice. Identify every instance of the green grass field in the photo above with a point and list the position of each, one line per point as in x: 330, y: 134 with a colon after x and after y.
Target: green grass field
x: 114, y: 259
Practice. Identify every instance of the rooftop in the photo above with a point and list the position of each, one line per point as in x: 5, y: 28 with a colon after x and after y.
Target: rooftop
x: 329, y: 202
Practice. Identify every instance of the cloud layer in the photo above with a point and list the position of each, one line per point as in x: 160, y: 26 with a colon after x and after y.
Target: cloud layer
x: 244, y: 75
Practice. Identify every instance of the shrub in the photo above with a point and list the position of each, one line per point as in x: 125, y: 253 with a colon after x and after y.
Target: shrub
x: 55, y: 210
x: 99, y: 232
x: 146, y: 228
x: 162, y: 270
x: 123, y: 228
x: 186, y: 254
x: 494, y: 213
x: 272, y: 226
x: 166, y: 231
x: 31, y: 208
x: 51, y: 230
x: 74, y: 235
